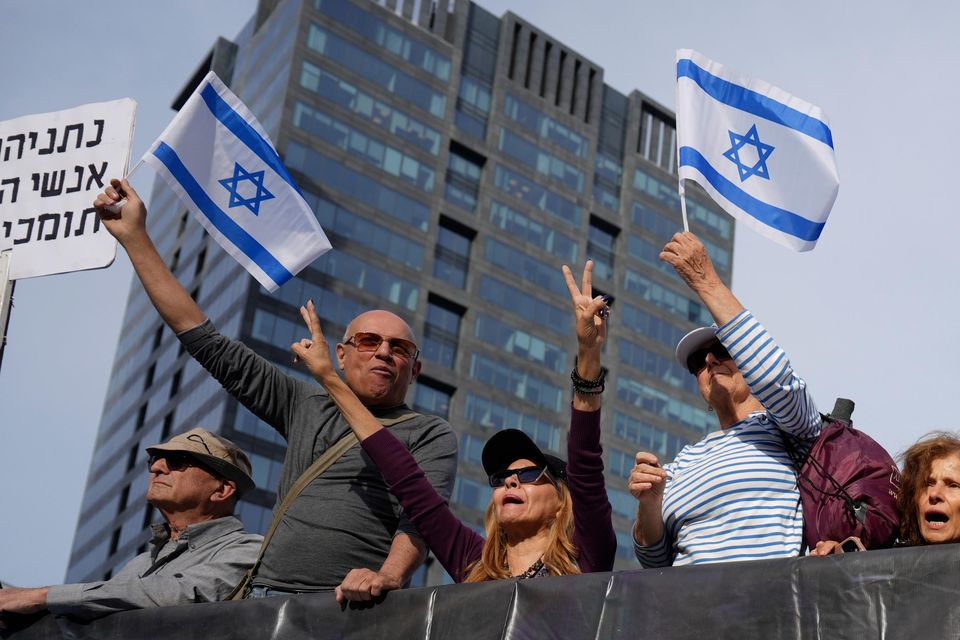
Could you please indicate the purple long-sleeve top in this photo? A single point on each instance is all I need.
(457, 546)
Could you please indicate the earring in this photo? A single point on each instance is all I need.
(709, 408)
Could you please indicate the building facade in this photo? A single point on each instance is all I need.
(456, 160)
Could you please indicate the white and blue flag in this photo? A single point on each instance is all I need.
(765, 156)
(220, 161)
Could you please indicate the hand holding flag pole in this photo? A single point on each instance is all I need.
(115, 208)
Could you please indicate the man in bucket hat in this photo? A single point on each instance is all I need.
(198, 553)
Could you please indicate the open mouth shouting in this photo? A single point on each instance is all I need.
(511, 498)
(935, 519)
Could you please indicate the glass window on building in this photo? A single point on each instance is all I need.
(471, 493)
(528, 191)
(519, 225)
(334, 175)
(471, 449)
(473, 105)
(520, 263)
(377, 71)
(451, 257)
(477, 72)
(463, 177)
(375, 30)
(441, 331)
(601, 241)
(397, 122)
(657, 141)
(518, 342)
(544, 163)
(432, 397)
(607, 181)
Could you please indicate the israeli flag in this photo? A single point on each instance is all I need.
(220, 161)
(765, 156)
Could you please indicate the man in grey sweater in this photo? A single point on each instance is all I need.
(345, 531)
(198, 554)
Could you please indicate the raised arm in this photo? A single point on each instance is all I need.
(764, 365)
(594, 536)
(255, 382)
(456, 545)
(689, 258)
(172, 301)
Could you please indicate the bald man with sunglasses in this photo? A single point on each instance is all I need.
(197, 554)
(733, 495)
(345, 531)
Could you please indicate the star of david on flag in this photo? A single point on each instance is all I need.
(763, 155)
(235, 184)
(220, 162)
(763, 151)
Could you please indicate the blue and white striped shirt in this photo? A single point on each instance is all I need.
(733, 495)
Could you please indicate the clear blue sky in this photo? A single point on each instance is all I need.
(866, 315)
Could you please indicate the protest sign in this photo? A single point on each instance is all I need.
(51, 167)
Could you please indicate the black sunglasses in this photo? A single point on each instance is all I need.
(698, 359)
(525, 475)
(176, 461)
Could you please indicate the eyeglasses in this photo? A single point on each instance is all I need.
(698, 359)
(366, 342)
(525, 475)
(175, 460)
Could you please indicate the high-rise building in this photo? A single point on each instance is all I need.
(456, 159)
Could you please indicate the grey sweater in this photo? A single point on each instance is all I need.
(203, 565)
(346, 518)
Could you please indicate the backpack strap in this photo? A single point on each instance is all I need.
(321, 464)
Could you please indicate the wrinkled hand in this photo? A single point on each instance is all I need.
(826, 548)
(689, 258)
(131, 221)
(363, 585)
(313, 351)
(22, 601)
(647, 480)
(590, 314)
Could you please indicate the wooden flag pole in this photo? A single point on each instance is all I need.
(6, 298)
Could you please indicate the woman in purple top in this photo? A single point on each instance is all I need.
(545, 517)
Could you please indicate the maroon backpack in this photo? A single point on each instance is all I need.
(848, 484)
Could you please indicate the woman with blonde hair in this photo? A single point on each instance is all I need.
(545, 517)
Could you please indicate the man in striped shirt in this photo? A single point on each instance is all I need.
(733, 495)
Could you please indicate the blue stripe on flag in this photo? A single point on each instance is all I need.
(247, 134)
(232, 231)
(750, 101)
(774, 217)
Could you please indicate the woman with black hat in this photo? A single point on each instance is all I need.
(546, 517)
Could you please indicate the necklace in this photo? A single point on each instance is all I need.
(536, 570)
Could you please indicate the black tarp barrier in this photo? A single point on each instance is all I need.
(898, 593)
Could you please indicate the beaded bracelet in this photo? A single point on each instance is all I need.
(587, 387)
